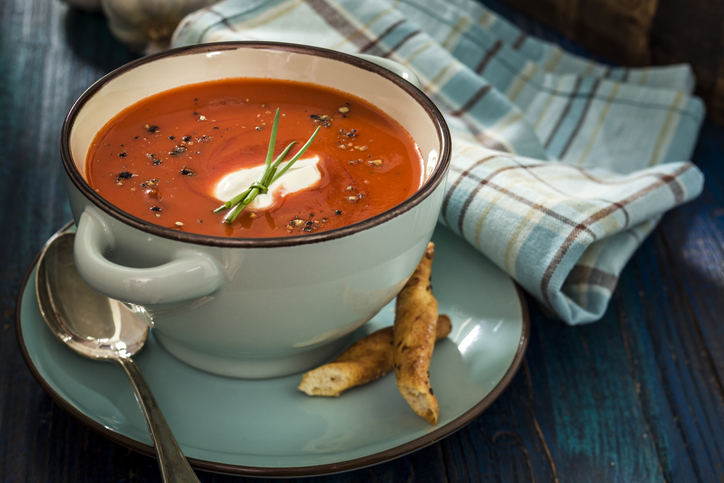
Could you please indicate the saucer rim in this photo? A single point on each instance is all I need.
(292, 471)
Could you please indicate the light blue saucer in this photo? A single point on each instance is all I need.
(268, 427)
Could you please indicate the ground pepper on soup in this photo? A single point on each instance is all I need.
(163, 159)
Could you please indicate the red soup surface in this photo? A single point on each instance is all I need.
(162, 158)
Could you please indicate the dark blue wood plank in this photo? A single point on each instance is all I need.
(644, 358)
(683, 362)
(505, 443)
(587, 404)
(693, 238)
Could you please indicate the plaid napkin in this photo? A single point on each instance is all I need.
(561, 166)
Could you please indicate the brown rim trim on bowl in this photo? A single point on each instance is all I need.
(316, 470)
(425, 190)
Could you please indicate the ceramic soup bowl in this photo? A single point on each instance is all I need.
(253, 308)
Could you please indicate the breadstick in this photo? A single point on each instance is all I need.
(366, 360)
(414, 339)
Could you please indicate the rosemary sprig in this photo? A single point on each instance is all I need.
(268, 176)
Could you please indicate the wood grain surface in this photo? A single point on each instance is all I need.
(635, 397)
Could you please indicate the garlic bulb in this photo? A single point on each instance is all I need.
(146, 26)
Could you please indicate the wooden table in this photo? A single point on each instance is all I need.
(637, 396)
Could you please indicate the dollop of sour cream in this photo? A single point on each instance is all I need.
(303, 174)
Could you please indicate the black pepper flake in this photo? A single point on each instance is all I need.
(152, 128)
(124, 175)
(177, 150)
(122, 155)
(321, 118)
(172, 137)
(187, 138)
(337, 212)
(307, 228)
(155, 208)
(188, 172)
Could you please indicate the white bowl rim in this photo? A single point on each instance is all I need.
(428, 187)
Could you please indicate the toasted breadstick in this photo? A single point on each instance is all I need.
(414, 339)
(366, 360)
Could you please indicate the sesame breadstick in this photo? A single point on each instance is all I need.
(414, 339)
(366, 360)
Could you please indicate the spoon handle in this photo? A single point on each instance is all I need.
(174, 466)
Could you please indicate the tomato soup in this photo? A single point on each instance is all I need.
(163, 158)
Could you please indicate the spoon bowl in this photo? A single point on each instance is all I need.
(100, 328)
(92, 324)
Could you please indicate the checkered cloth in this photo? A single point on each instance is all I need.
(560, 167)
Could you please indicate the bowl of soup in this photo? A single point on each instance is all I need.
(154, 150)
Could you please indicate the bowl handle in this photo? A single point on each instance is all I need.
(189, 275)
(393, 66)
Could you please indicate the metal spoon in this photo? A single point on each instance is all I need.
(101, 328)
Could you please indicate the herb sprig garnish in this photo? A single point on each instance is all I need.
(268, 175)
